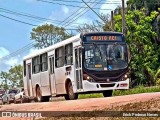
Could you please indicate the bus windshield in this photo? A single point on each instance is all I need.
(105, 57)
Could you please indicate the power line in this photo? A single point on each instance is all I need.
(31, 16)
(66, 4)
(96, 13)
(17, 20)
(76, 13)
(82, 14)
(71, 17)
(29, 23)
(108, 2)
(27, 46)
(93, 11)
(19, 51)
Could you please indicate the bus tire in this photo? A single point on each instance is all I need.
(70, 94)
(38, 94)
(107, 93)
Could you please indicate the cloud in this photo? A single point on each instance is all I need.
(108, 6)
(7, 62)
(83, 20)
(12, 61)
(3, 52)
(31, 51)
(65, 9)
(57, 16)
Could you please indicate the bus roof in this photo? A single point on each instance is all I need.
(69, 40)
(104, 32)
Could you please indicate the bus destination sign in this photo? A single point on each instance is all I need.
(103, 38)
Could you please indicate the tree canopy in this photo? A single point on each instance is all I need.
(47, 34)
(140, 37)
(14, 77)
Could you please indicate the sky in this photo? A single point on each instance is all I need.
(15, 35)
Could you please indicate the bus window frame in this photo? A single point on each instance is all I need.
(35, 64)
(69, 54)
(59, 58)
(44, 55)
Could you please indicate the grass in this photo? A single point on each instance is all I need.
(139, 89)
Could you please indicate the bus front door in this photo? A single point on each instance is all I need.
(52, 81)
(78, 68)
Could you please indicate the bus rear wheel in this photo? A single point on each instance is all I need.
(70, 94)
(107, 93)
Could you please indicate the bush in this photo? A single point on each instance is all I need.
(157, 77)
(158, 82)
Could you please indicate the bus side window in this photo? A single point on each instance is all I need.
(68, 54)
(80, 52)
(36, 65)
(29, 71)
(76, 58)
(43, 62)
(59, 57)
(24, 68)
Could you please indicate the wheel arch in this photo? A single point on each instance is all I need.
(66, 84)
(37, 85)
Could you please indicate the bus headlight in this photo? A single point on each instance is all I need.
(125, 77)
(87, 77)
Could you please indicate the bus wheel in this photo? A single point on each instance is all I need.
(38, 94)
(41, 98)
(107, 93)
(70, 94)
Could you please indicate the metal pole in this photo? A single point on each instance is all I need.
(123, 18)
(112, 20)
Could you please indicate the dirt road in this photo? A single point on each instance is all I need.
(82, 104)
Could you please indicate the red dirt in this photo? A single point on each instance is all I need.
(79, 105)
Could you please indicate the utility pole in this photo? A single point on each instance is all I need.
(123, 18)
(112, 20)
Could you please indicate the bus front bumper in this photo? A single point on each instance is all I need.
(92, 86)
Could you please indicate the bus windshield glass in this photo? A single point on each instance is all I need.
(105, 57)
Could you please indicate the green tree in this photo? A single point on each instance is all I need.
(149, 5)
(4, 77)
(47, 34)
(140, 36)
(16, 76)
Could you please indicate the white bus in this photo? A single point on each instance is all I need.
(85, 63)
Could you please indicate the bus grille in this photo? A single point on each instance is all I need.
(105, 80)
(107, 85)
